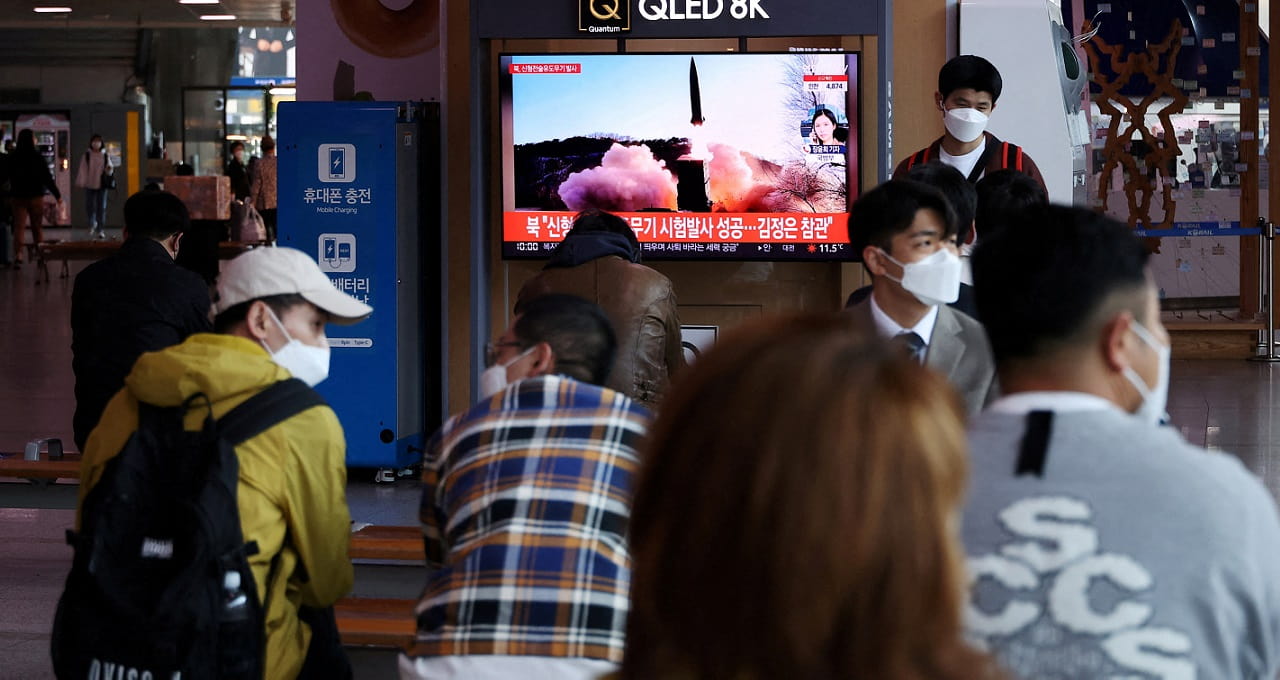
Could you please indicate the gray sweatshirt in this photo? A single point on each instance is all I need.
(1134, 555)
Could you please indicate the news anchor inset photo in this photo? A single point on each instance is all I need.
(826, 130)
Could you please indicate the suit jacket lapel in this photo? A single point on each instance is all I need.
(946, 347)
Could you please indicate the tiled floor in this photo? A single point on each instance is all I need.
(1219, 404)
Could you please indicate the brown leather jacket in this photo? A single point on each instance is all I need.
(641, 304)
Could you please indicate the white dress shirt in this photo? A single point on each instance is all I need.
(888, 328)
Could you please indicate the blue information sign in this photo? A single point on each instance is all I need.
(341, 199)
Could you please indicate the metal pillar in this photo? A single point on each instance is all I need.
(1267, 289)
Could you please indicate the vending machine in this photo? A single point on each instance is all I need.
(358, 191)
(53, 141)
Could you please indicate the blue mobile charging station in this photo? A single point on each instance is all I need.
(349, 196)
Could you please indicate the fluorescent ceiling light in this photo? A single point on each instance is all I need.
(52, 10)
(279, 91)
(217, 17)
(197, 2)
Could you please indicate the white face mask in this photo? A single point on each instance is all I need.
(306, 363)
(239, 155)
(934, 281)
(1154, 399)
(494, 379)
(965, 125)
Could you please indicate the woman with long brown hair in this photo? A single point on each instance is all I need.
(796, 516)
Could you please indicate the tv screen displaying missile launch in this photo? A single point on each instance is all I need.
(729, 156)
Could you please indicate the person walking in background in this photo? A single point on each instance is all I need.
(29, 180)
(796, 513)
(599, 259)
(92, 176)
(238, 172)
(262, 189)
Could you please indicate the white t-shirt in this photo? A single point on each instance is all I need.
(965, 163)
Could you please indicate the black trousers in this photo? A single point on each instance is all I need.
(269, 221)
(326, 658)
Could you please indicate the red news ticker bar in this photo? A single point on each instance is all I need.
(721, 227)
(826, 79)
(526, 69)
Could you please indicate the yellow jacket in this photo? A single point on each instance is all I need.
(292, 478)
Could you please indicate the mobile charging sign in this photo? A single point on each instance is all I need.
(342, 199)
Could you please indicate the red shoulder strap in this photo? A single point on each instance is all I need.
(918, 157)
(1010, 155)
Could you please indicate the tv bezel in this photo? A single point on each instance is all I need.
(506, 150)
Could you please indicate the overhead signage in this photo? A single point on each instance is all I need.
(606, 19)
(701, 10)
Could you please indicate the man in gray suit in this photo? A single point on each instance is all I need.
(906, 234)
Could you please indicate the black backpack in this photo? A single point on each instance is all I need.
(149, 594)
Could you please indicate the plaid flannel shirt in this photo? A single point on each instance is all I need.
(524, 509)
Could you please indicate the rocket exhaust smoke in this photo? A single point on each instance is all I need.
(628, 179)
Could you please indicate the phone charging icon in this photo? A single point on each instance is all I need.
(336, 253)
(337, 163)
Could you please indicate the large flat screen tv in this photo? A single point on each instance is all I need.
(708, 156)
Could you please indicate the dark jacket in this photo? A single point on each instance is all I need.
(29, 176)
(239, 175)
(138, 300)
(639, 301)
(991, 161)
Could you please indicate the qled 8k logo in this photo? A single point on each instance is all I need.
(337, 163)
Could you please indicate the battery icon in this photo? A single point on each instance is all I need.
(337, 162)
(344, 252)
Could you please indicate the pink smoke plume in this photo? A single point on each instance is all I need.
(733, 186)
(629, 178)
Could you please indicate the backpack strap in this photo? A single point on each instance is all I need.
(921, 156)
(1011, 156)
(266, 409)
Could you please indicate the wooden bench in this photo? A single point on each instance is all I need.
(13, 465)
(402, 544)
(376, 622)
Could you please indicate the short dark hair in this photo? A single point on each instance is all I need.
(971, 71)
(889, 209)
(268, 143)
(578, 332)
(155, 215)
(236, 145)
(224, 322)
(1004, 196)
(957, 189)
(1046, 287)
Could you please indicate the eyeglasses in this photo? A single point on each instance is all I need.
(491, 350)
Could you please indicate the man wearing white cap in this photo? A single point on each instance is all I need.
(271, 309)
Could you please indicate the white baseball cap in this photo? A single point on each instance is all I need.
(266, 271)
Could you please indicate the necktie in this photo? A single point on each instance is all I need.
(913, 344)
